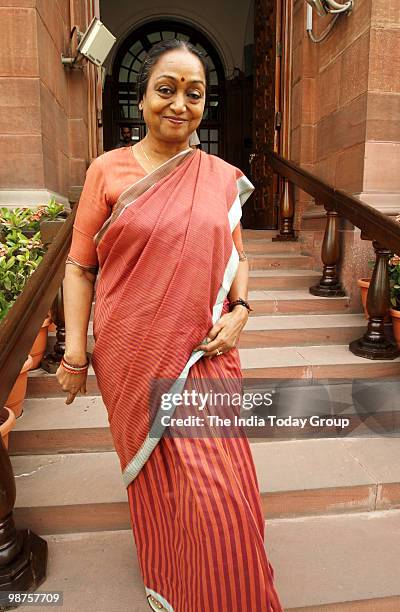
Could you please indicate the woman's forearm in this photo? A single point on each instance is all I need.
(78, 287)
(240, 283)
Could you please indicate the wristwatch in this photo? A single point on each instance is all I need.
(241, 302)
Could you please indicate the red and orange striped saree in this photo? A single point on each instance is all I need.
(166, 264)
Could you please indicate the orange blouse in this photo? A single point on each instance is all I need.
(106, 178)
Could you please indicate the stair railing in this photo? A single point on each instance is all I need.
(375, 226)
(23, 554)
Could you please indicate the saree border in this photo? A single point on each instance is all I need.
(157, 429)
(133, 192)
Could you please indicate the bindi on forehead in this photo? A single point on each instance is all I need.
(182, 79)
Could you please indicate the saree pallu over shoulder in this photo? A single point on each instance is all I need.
(166, 263)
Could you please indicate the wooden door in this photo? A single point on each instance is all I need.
(265, 206)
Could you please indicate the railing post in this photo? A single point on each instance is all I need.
(329, 284)
(23, 554)
(51, 361)
(375, 344)
(286, 213)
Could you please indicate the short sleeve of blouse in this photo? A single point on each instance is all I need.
(245, 189)
(92, 212)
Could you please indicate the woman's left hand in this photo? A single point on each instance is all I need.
(224, 335)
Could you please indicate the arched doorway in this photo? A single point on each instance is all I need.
(120, 98)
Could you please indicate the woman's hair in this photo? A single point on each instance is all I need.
(154, 55)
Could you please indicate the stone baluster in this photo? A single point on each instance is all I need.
(51, 361)
(375, 344)
(286, 213)
(329, 284)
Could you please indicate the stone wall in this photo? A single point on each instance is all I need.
(345, 120)
(225, 23)
(43, 106)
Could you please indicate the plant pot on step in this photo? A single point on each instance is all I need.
(17, 395)
(52, 326)
(364, 283)
(7, 422)
(396, 324)
(39, 346)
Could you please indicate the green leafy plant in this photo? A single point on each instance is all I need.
(394, 275)
(19, 258)
(53, 211)
(21, 247)
(27, 220)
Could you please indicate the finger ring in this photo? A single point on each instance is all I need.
(219, 352)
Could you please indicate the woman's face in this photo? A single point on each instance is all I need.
(173, 104)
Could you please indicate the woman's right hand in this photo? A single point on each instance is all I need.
(73, 383)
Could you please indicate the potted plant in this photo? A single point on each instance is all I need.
(7, 422)
(17, 394)
(394, 274)
(51, 221)
(28, 220)
(363, 283)
(39, 346)
(19, 258)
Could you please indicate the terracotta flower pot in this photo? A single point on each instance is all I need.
(17, 394)
(52, 326)
(364, 283)
(396, 325)
(39, 346)
(7, 422)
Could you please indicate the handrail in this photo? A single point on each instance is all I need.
(23, 548)
(374, 224)
(19, 328)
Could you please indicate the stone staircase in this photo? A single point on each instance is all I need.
(332, 504)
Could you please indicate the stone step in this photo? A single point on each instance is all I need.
(64, 492)
(49, 426)
(266, 245)
(268, 280)
(288, 301)
(249, 234)
(291, 362)
(269, 289)
(267, 331)
(337, 563)
(317, 362)
(279, 260)
(296, 301)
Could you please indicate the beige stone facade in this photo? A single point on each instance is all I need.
(346, 118)
(345, 98)
(47, 112)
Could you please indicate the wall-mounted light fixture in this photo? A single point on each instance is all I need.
(95, 44)
(326, 7)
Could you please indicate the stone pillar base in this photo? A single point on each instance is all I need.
(12, 198)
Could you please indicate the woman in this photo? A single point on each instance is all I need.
(160, 223)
